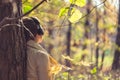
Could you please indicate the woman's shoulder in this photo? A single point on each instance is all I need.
(35, 49)
(32, 44)
(42, 53)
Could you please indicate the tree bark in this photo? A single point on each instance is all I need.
(97, 39)
(104, 41)
(86, 28)
(116, 61)
(68, 50)
(12, 43)
(68, 44)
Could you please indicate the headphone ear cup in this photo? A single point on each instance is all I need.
(35, 20)
(40, 30)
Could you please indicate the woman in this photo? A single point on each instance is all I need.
(40, 65)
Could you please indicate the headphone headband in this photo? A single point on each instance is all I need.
(40, 30)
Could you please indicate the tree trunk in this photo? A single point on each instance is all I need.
(87, 28)
(116, 61)
(68, 44)
(97, 38)
(104, 41)
(12, 43)
(68, 50)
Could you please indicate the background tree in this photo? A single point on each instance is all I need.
(97, 38)
(116, 61)
(87, 29)
(104, 41)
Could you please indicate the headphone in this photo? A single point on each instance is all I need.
(40, 30)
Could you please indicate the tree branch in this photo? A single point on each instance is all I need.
(7, 25)
(32, 9)
(93, 9)
(86, 14)
(14, 19)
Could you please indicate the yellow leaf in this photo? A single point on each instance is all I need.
(80, 3)
(55, 69)
(96, 44)
(75, 16)
(67, 57)
(30, 1)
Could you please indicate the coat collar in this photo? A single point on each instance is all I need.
(33, 44)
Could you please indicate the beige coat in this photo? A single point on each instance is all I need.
(40, 65)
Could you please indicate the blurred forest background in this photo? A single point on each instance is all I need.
(81, 34)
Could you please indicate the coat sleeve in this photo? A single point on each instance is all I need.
(42, 66)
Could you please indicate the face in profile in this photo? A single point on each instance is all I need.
(39, 38)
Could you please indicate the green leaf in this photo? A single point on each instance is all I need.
(80, 3)
(75, 16)
(65, 74)
(63, 11)
(94, 70)
(81, 76)
(27, 7)
(77, 57)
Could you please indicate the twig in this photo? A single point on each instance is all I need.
(86, 14)
(70, 8)
(61, 24)
(93, 9)
(13, 19)
(32, 9)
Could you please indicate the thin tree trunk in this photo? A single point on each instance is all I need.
(51, 35)
(69, 36)
(68, 64)
(68, 50)
(97, 38)
(87, 28)
(103, 54)
(116, 61)
(12, 43)
(68, 44)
